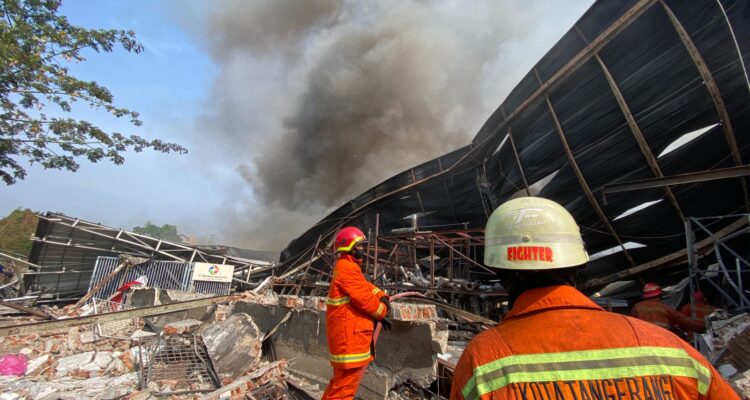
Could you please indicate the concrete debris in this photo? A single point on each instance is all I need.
(452, 353)
(305, 385)
(68, 364)
(234, 346)
(147, 297)
(723, 331)
(87, 337)
(742, 383)
(141, 334)
(102, 360)
(135, 355)
(38, 365)
(227, 340)
(408, 353)
(182, 327)
(70, 388)
(263, 375)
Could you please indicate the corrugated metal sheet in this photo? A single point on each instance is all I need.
(172, 275)
(67, 248)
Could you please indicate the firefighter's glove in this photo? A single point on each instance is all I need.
(387, 324)
(385, 300)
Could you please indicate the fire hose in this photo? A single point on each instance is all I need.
(395, 297)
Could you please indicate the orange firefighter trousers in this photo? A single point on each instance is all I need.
(344, 384)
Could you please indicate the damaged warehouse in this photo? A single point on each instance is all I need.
(628, 122)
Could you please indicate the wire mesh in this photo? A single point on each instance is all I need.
(122, 329)
(161, 274)
(178, 364)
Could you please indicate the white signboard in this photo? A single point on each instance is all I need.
(212, 272)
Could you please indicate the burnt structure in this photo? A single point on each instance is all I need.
(634, 121)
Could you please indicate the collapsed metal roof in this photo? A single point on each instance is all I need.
(606, 105)
(66, 249)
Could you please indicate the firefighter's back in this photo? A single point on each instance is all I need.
(570, 349)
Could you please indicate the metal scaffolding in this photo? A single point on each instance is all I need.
(730, 263)
(444, 264)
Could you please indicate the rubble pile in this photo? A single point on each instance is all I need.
(70, 364)
(729, 344)
(218, 353)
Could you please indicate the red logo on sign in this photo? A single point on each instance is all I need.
(530, 253)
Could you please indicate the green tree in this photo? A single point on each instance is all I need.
(16, 230)
(36, 44)
(164, 232)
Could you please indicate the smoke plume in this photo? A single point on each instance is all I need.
(318, 100)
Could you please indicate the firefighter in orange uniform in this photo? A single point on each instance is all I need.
(353, 305)
(555, 343)
(652, 310)
(702, 310)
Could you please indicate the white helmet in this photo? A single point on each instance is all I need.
(532, 233)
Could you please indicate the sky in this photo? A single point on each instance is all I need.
(288, 108)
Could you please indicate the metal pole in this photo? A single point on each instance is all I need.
(450, 264)
(726, 274)
(375, 262)
(692, 262)
(718, 241)
(739, 280)
(717, 287)
(432, 262)
(367, 251)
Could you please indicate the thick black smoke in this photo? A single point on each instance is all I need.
(316, 101)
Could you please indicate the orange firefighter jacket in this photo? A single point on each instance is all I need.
(702, 310)
(663, 315)
(353, 304)
(557, 344)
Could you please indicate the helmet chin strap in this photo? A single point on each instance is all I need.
(358, 253)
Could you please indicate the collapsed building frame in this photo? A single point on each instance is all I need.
(628, 122)
(67, 252)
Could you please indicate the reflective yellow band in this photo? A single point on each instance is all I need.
(380, 309)
(586, 365)
(375, 291)
(337, 301)
(346, 249)
(350, 358)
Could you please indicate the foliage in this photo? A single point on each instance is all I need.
(36, 44)
(164, 232)
(16, 230)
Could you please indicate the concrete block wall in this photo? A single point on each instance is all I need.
(413, 312)
(408, 352)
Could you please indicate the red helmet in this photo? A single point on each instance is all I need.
(347, 237)
(699, 296)
(651, 290)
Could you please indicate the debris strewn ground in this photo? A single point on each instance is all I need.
(254, 346)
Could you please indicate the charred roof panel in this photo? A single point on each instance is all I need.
(666, 89)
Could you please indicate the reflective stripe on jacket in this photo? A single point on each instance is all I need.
(353, 304)
(663, 315)
(557, 344)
